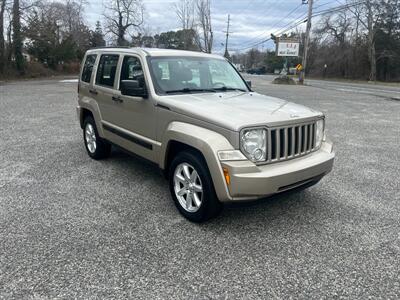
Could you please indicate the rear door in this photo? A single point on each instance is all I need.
(105, 85)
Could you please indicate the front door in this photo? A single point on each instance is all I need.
(133, 118)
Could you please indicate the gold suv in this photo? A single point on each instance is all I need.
(193, 114)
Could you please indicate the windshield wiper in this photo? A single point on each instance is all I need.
(225, 88)
(189, 90)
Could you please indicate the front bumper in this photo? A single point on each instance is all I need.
(249, 181)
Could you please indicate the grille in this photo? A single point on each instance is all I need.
(288, 142)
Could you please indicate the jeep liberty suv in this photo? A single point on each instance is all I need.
(195, 117)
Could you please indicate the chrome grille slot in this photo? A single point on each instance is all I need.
(289, 141)
(292, 141)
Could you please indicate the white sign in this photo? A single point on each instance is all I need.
(288, 48)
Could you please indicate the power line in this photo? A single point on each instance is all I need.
(325, 4)
(275, 24)
(247, 9)
(296, 20)
(285, 28)
(299, 22)
(256, 18)
(338, 8)
(271, 6)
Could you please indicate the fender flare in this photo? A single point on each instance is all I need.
(206, 141)
(93, 107)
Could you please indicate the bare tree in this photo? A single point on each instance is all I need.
(2, 43)
(372, 19)
(121, 16)
(17, 37)
(332, 36)
(73, 13)
(8, 34)
(368, 14)
(336, 26)
(205, 36)
(185, 11)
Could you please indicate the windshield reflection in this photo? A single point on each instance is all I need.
(194, 75)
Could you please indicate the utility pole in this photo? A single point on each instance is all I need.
(307, 40)
(226, 55)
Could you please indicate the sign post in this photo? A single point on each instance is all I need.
(307, 41)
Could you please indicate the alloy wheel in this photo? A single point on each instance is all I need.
(90, 138)
(188, 187)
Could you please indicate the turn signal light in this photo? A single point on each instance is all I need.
(227, 176)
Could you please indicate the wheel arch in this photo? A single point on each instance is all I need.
(90, 109)
(173, 148)
(84, 113)
(182, 136)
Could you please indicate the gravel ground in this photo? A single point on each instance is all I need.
(71, 227)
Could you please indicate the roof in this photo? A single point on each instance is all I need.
(156, 52)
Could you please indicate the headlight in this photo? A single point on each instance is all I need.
(253, 143)
(319, 133)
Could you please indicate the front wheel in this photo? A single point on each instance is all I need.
(96, 147)
(192, 188)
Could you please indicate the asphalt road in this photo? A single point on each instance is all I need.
(386, 91)
(71, 227)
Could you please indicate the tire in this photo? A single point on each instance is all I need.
(185, 188)
(96, 147)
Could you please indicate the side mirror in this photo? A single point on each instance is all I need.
(248, 82)
(133, 89)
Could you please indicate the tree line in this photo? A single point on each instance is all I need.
(53, 34)
(361, 41)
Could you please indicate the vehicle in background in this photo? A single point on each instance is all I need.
(257, 71)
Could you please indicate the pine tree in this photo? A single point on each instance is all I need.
(97, 37)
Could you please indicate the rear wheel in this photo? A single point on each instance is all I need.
(192, 188)
(96, 147)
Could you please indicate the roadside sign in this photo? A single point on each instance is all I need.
(299, 67)
(287, 47)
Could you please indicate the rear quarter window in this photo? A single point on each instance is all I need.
(88, 68)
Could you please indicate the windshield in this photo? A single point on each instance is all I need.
(194, 74)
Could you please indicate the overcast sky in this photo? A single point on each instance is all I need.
(251, 20)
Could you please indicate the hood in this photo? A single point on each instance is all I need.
(235, 110)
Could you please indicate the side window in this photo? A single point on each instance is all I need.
(106, 70)
(88, 68)
(132, 70)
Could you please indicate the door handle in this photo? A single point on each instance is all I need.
(117, 99)
(93, 92)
